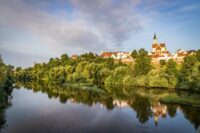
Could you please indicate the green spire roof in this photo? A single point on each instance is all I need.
(155, 40)
(154, 36)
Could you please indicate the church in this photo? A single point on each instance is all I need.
(159, 51)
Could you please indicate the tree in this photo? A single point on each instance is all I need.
(1, 61)
(53, 62)
(186, 74)
(143, 63)
(18, 69)
(5, 89)
(110, 63)
(198, 55)
(64, 57)
(117, 76)
(171, 73)
(87, 56)
(162, 63)
(103, 74)
(134, 54)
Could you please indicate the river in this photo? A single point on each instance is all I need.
(69, 110)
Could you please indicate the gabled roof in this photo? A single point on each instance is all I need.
(162, 44)
(191, 51)
(155, 45)
(109, 54)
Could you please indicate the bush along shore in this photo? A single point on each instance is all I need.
(6, 82)
(91, 69)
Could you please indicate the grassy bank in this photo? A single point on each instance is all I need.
(189, 101)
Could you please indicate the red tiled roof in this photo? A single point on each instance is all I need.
(154, 45)
(106, 54)
(158, 46)
(162, 44)
(109, 54)
(182, 54)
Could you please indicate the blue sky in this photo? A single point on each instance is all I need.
(36, 30)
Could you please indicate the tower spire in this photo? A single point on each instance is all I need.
(154, 36)
(155, 40)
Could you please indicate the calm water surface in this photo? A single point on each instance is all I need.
(65, 111)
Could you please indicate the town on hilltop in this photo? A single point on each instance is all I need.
(159, 52)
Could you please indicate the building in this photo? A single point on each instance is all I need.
(74, 56)
(122, 56)
(115, 55)
(180, 54)
(159, 51)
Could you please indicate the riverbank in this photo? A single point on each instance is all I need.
(188, 101)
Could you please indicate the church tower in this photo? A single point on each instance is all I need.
(159, 50)
(155, 43)
(155, 40)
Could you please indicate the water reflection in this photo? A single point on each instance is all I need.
(144, 102)
(5, 102)
(158, 111)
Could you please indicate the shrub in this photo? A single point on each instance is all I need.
(162, 62)
(129, 80)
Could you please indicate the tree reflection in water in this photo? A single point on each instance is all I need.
(145, 102)
(5, 99)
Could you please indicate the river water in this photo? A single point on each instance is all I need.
(55, 110)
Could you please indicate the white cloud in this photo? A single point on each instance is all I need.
(97, 25)
(116, 20)
(52, 32)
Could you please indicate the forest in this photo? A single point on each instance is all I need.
(89, 68)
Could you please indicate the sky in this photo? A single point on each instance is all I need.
(36, 30)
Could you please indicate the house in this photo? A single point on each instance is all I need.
(122, 56)
(74, 56)
(180, 54)
(115, 55)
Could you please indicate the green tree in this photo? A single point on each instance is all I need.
(87, 56)
(142, 63)
(64, 59)
(186, 73)
(162, 63)
(117, 75)
(134, 54)
(103, 74)
(198, 55)
(171, 73)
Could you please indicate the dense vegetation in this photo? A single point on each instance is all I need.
(90, 68)
(6, 81)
